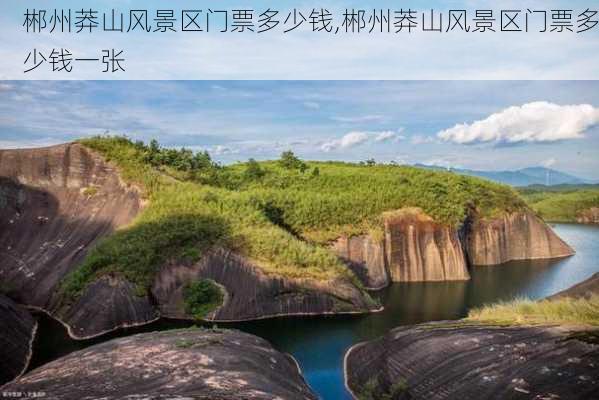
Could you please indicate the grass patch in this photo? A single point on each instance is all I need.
(563, 311)
(563, 203)
(279, 214)
(202, 297)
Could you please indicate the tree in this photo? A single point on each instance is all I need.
(291, 161)
(253, 170)
(316, 171)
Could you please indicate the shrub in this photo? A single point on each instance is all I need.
(202, 297)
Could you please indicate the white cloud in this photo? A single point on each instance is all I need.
(349, 140)
(421, 139)
(361, 118)
(312, 105)
(221, 150)
(387, 135)
(550, 162)
(356, 138)
(532, 122)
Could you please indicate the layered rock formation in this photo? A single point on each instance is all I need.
(191, 363)
(56, 202)
(250, 293)
(590, 216)
(17, 331)
(442, 361)
(515, 236)
(416, 248)
(366, 258)
(419, 249)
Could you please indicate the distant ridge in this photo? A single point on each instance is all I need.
(521, 177)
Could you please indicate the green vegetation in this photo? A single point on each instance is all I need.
(279, 214)
(562, 203)
(563, 311)
(372, 390)
(202, 297)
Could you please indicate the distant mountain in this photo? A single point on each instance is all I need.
(520, 177)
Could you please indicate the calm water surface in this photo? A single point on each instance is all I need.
(318, 343)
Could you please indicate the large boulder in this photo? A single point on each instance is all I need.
(452, 360)
(17, 332)
(191, 363)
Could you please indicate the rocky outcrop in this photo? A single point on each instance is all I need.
(55, 203)
(251, 294)
(17, 331)
(445, 361)
(414, 248)
(585, 289)
(191, 363)
(515, 236)
(107, 303)
(590, 216)
(419, 249)
(366, 257)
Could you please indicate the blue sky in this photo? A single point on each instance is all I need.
(508, 124)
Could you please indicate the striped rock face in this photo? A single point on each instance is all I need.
(190, 363)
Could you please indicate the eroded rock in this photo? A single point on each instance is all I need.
(17, 331)
(449, 361)
(250, 293)
(590, 216)
(515, 236)
(192, 363)
(56, 202)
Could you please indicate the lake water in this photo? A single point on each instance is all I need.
(319, 343)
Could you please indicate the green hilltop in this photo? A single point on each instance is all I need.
(279, 214)
(561, 203)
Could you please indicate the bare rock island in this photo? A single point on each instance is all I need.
(192, 363)
(443, 361)
(17, 332)
(470, 360)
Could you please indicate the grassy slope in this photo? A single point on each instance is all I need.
(563, 311)
(561, 204)
(265, 218)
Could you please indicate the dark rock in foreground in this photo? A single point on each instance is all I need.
(445, 361)
(17, 330)
(196, 363)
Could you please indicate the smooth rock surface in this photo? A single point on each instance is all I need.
(55, 203)
(366, 258)
(419, 249)
(190, 363)
(250, 293)
(441, 361)
(515, 236)
(17, 331)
